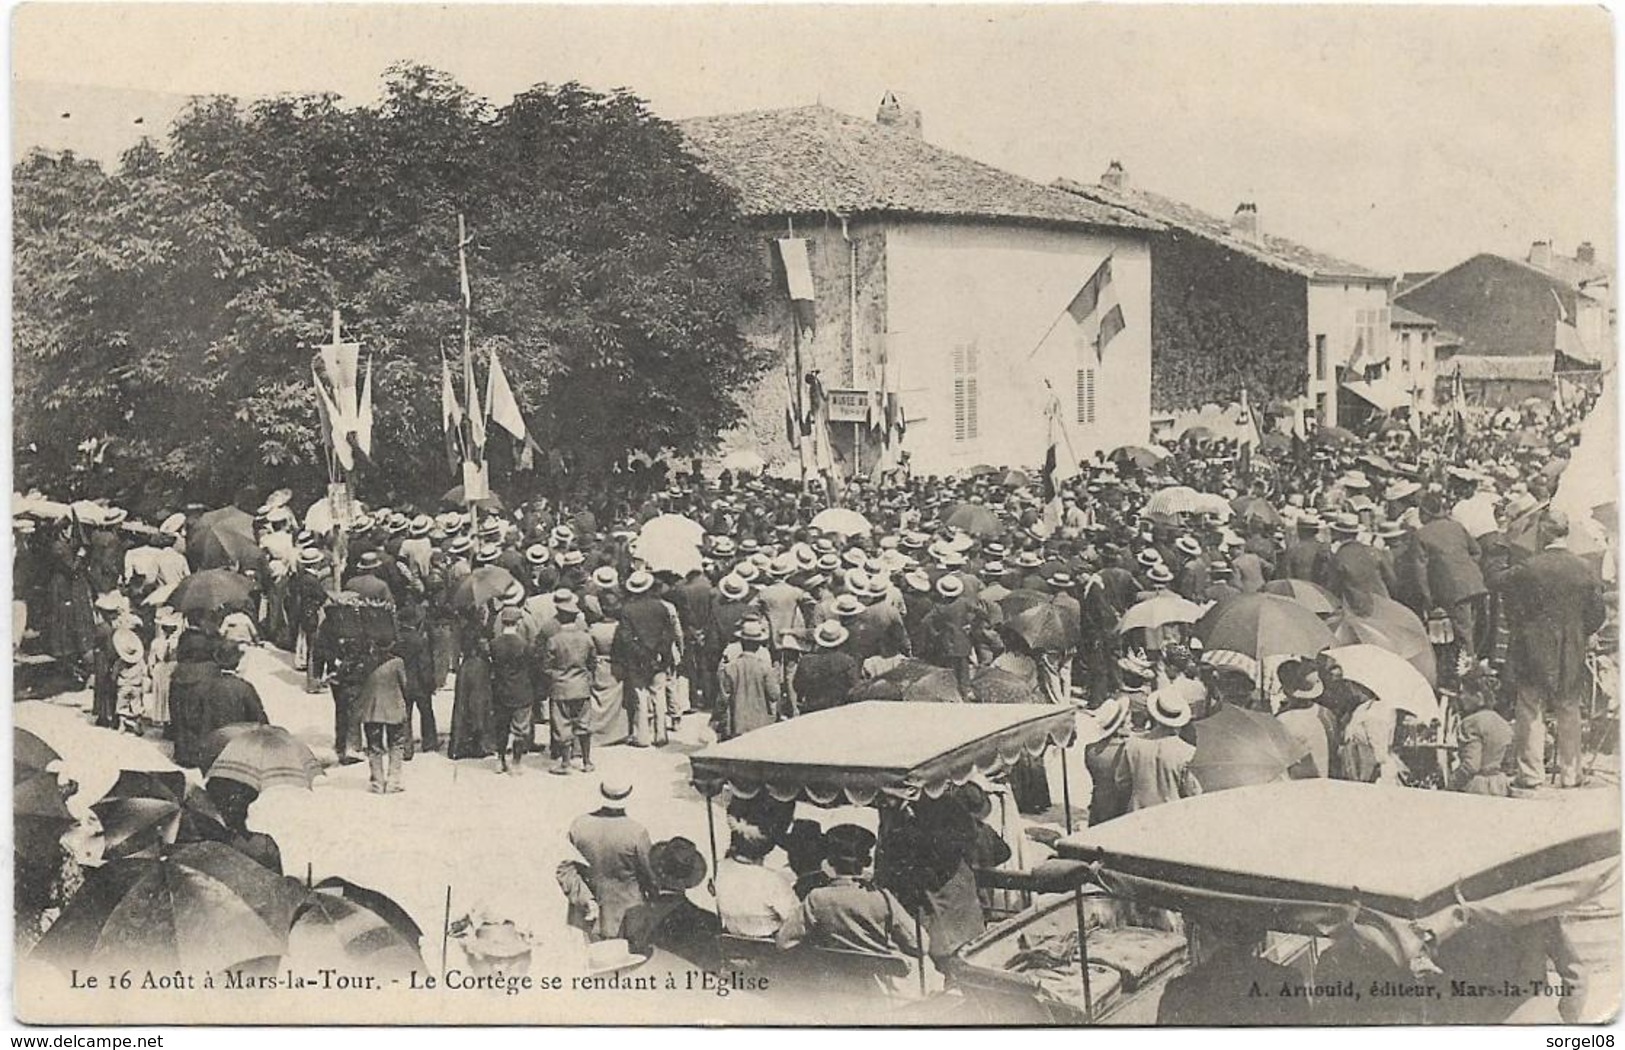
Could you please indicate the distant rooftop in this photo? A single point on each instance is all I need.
(1502, 366)
(1399, 316)
(811, 159)
(1265, 247)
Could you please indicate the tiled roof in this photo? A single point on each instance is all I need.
(1501, 367)
(1570, 270)
(1268, 249)
(812, 159)
(1398, 315)
(1411, 278)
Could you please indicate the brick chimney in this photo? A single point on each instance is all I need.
(1540, 254)
(1115, 178)
(1586, 254)
(1244, 223)
(901, 114)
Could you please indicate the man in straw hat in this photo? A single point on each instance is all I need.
(750, 689)
(643, 654)
(1159, 762)
(826, 677)
(617, 851)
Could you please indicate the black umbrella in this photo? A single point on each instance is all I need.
(453, 500)
(144, 813)
(202, 908)
(1236, 747)
(40, 815)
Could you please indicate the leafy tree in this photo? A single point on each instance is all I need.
(166, 312)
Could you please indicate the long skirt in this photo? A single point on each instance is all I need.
(158, 707)
(471, 731)
(607, 715)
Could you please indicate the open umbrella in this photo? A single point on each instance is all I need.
(1310, 595)
(890, 686)
(375, 901)
(1263, 625)
(1020, 600)
(40, 815)
(370, 587)
(1143, 456)
(1334, 436)
(982, 470)
(1257, 510)
(1390, 626)
(1192, 435)
(210, 589)
(997, 686)
(670, 543)
(145, 812)
(452, 499)
(480, 586)
(1214, 504)
(1390, 677)
(1015, 479)
(202, 908)
(221, 547)
(841, 520)
(1043, 628)
(1165, 607)
(1236, 747)
(331, 930)
(974, 518)
(1176, 499)
(261, 756)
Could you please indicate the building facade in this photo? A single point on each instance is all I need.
(1234, 306)
(939, 285)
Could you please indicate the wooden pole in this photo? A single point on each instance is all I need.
(1077, 897)
(445, 934)
(469, 401)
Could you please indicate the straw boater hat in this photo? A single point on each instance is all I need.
(1308, 521)
(459, 545)
(639, 582)
(491, 528)
(950, 586)
(369, 561)
(1345, 524)
(747, 571)
(1111, 715)
(127, 644)
(1390, 530)
(1188, 545)
(175, 524)
(1171, 711)
(399, 522)
(169, 617)
(830, 635)
(748, 545)
(753, 630)
(614, 792)
(917, 580)
(420, 526)
(993, 568)
(114, 516)
(1300, 679)
(723, 546)
(1149, 558)
(605, 576)
(1401, 489)
(310, 557)
(1135, 665)
(362, 522)
(1028, 560)
(1061, 581)
(513, 594)
(733, 588)
(538, 554)
(487, 553)
(572, 557)
(848, 605)
(1159, 574)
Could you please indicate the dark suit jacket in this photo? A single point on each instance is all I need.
(1305, 560)
(383, 693)
(513, 680)
(616, 849)
(1446, 560)
(1358, 571)
(1554, 605)
(227, 700)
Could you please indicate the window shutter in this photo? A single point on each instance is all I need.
(1086, 396)
(965, 393)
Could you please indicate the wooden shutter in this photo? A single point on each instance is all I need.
(965, 392)
(1086, 396)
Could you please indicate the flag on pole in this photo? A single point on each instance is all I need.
(335, 426)
(1095, 309)
(798, 279)
(363, 416)
(451, 416)
(476, 414)
(1416, 412)
(500, 402)
(1458, 399)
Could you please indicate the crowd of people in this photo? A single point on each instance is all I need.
(560, 634)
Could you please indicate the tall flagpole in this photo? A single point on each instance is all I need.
(470, 402)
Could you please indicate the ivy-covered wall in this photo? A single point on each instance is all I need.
(1219, 320)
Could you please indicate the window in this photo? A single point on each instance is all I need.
(1320, 357)
(1086, 395)
(965, 392)
(1371, 334)
(1322, 411)
(1405, 351)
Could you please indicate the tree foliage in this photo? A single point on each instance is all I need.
(165, 312)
